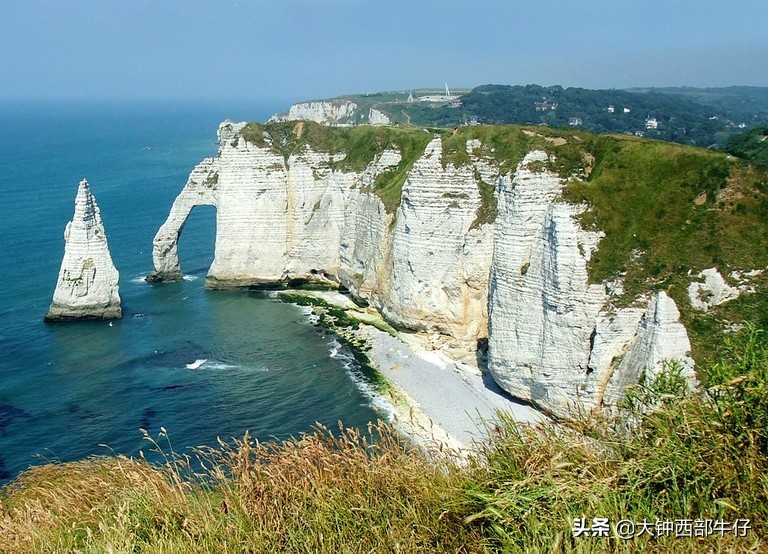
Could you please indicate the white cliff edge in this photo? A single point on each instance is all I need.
(434, 266)
(87, 287)
(325, 112)
(299, 219)
(376, 117)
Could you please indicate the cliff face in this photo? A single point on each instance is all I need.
(434, 265)
(87, 287)
(281, 219)
(266, 229)
(325, 112)
(555, 339)
(439, 263)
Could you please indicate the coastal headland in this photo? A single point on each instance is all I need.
(580, 260)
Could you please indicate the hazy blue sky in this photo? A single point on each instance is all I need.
(298, 49)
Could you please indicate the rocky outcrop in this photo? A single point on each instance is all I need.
(554, 338)
(434, 265)
(325, 112)
(87, 287)
(376, 117)
(713, 291)
(660, 339)
(276, 220)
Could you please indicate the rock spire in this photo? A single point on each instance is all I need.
(87, 287)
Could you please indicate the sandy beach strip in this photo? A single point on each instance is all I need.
(437, 399)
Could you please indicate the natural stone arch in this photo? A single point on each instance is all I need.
(200, 190)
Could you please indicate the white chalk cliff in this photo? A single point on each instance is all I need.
(87, 287)
(279, 220)
(377, 117)
(337, 112)
(432, 266)
(325, 112)
(555, 340)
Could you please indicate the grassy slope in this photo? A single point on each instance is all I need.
(669, 211)
(693, 458)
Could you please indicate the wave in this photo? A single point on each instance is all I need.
(190, 277)
(140, 280)
(338, 351)
(312, 317)
(219, 365)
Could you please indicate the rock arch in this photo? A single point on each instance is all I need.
(200, 190)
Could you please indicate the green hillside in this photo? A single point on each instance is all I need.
(740, 102)
(752, 146)
(703, 117)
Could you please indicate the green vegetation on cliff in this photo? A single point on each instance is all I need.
(692, 459)
(670, 211)
(751, 146)
(355, 146)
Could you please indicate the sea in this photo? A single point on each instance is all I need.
(69, 391)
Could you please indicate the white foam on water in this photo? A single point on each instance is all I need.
(312, 317)
(363, 384)
(223, 366)
(141, 279)
(197, 363)
(335, 348)
(337, 351)
(190, 277)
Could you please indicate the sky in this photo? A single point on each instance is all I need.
(303, 49)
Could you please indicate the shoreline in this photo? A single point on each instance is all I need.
(439, 403)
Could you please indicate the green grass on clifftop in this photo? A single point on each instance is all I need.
(670, 211)
(360, 145)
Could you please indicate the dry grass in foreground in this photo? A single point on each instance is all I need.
(322, 492)
(690, 458)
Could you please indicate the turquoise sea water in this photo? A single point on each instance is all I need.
(67, 389)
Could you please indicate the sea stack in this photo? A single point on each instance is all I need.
(88, 281)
